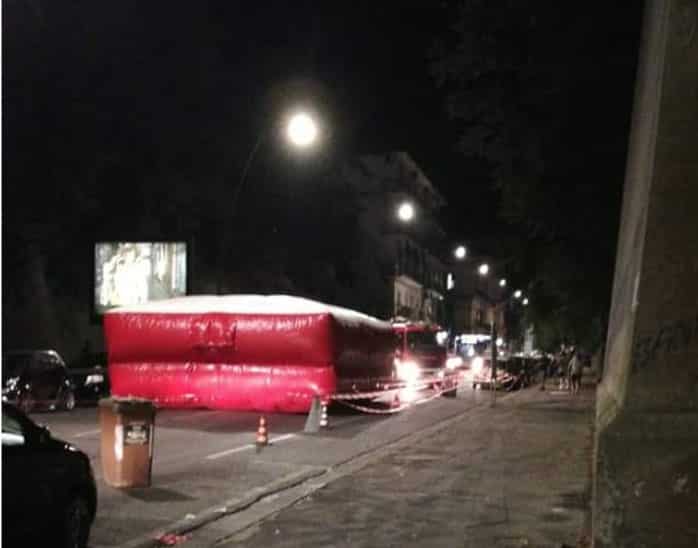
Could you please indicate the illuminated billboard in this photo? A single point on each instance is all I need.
(129, 273)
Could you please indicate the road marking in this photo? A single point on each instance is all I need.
(87, 433)
(215, 456)
(282, 438)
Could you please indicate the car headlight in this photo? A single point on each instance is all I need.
(96, 378)
(407, 371)
(453, 362)
(11, 383)
(477, 364)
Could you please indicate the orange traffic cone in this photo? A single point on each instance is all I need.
(262, 434)
(396, 400)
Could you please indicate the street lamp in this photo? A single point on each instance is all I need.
(302, 130)
(525, 301)
(484, 270)
(517, 294)
(460, 252)
(405, 212)
(502, 283)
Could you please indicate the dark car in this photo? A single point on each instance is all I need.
(89, 376)
(522, 369)
(49, 496)
(36, 378)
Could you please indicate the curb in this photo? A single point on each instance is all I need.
(342, 469)
(213, 513)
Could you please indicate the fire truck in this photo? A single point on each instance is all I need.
(421, 351)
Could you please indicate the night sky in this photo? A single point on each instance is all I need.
(133, 121)
(158, 81)
(130, 91)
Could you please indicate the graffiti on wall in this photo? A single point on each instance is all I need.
(670, 338)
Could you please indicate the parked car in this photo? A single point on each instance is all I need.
(36, 378)
(522, 369)
(89, 376)
(481, 373)
(48, 489)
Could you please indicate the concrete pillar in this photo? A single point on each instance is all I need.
(646, 450)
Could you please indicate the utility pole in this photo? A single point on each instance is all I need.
(493, 345)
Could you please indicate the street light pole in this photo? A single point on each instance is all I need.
(229, 218)
(405, 213)
(493, 345)
(245, 171)
(301, 132)
(484, 270)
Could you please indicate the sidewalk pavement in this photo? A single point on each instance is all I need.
(513, 475)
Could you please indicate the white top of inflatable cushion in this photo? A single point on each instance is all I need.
(243, 304)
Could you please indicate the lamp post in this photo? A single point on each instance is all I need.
(460, 252)
(301, 131)
(483, 270)
(515, 303)
(405, 213)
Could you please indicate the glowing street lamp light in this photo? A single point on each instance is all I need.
(405, 212)
(460, 252)
(525, 302)
(502, 283)
(302, 130)
(517, 294)
(483, 269)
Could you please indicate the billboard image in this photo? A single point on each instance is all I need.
(129, 273)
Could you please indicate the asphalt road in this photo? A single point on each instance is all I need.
(204, 459)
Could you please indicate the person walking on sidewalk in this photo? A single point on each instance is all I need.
(575, 373)
(562, 368)
(548, 368)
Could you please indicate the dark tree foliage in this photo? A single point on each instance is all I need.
(543, 92)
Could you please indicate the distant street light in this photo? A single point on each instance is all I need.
(517, 294)
(460, 252)
(302, 130)
(405, 212)
(502, 283)
(524, 302)
(483, 269)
